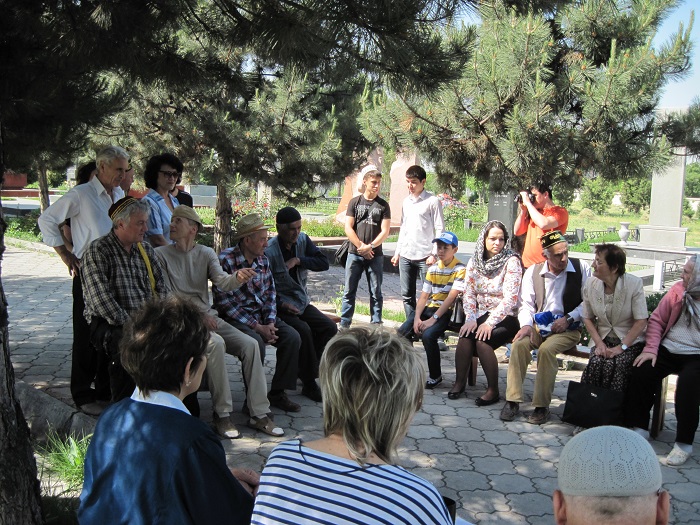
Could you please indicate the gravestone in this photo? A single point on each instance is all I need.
(502, 207)
(664, 229)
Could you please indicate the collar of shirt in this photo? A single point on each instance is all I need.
(544, 272)
(423, 195)
(160, 398)
(452, 264)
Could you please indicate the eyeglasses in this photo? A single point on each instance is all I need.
(169, 174)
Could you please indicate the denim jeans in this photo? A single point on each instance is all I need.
(409, 271)
(373, 269)
(429, 337)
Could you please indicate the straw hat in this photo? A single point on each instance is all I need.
(248, 224)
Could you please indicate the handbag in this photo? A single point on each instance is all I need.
(457, 316)
(588, 405)
(341, 254)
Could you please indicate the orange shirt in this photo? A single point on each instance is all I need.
(532, 252)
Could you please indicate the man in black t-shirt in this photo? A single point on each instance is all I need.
(367, 226)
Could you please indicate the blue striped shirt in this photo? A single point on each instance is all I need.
(302, 486)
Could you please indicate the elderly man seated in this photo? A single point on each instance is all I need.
(292, 255)
(610, 475)
(189, 267)
(252, 308)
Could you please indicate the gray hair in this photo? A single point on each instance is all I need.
(546, 251)
(124, 215)
(611, 509)
(372, 383)
(109, 154)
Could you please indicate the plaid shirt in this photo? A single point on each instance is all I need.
(115, 282)
(255, 301)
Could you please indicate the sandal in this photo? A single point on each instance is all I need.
(264, 424)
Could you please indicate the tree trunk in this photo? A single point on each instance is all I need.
(224, 214)
(19, 486)
(43, 187)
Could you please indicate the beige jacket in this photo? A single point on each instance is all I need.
(629, 305)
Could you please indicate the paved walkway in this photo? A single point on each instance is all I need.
(499, 472)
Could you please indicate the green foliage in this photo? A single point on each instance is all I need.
(597, 194)
(692, 180)
(326, 228)
(636, 193)
(65, 457)
(550, 94)
(586, 214)
(24, 227)
(653, 301)
(688, 210)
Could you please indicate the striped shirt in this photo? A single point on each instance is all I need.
(440, 279)
(302, 486)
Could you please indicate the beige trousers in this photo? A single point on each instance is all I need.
(547, 366)
(228, 339)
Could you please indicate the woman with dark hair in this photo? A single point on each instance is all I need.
(149, 460)
(492, 288)
(615, 314)
(161, 174)
(672, 347)
(372, 385)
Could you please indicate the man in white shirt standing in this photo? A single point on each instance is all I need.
(553, 286)
(87, 206)
(421, 222)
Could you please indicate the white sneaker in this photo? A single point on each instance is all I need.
(677, 457)
(442, 345)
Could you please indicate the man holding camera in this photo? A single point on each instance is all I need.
(538, 215)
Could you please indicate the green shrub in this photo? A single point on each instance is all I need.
(586, 214)
(24, 227)
(653, 301)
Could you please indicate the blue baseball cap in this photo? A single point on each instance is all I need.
(448, 238)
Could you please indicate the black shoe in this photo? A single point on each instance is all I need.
(312, 391)
(455, 395)
(432, 383)
(282, 402)
(509, 411)
(481, 402)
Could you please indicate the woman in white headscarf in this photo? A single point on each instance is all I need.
(672, 347)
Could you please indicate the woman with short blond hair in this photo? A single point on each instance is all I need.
(372, 385)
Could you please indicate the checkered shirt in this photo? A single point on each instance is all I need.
(255, 301)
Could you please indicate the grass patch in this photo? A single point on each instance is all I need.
(363, 308)
(25, 227)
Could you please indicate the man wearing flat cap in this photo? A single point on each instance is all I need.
(119, 274)
(610, 475)
(189, 267)
(252, 308)
(552, 289)
(292, 255)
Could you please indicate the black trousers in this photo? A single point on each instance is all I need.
(87, 365)
(315, 330)
(645, 379)
(106, 339)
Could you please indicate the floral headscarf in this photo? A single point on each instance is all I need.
(692, 294)
(488, 267)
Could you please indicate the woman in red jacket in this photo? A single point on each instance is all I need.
(672, 347)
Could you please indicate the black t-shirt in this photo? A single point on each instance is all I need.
(368, 219)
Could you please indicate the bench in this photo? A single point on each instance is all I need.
(659, 411)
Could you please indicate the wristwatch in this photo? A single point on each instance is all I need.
(624, 347)
(371, 245)
(436, 316)
(569, 320)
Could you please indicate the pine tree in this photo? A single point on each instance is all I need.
(549, 94)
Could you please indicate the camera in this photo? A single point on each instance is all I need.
(530, 195)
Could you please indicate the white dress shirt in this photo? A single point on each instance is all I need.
(553, 291)
(421, 222)
(87, 207)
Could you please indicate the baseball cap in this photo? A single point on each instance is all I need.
(448, 238)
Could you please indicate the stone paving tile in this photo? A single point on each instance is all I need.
(501, 473)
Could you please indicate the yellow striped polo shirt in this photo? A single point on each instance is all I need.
(440, 279)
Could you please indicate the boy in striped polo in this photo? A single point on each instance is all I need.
(434, 305)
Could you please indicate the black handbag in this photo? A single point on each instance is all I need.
(341, 254)
(457, 316)
(588, 405)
